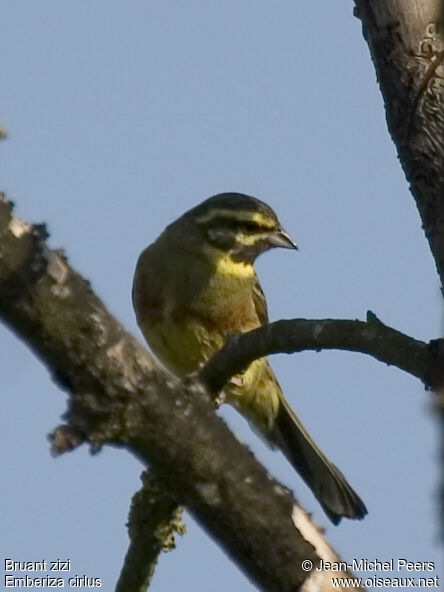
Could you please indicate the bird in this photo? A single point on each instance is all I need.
(194, 287)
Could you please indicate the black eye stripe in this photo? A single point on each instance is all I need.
(251, 227)
(233, 225)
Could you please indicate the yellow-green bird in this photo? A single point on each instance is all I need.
(194, 287)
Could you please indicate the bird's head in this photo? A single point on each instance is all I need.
(237, 225)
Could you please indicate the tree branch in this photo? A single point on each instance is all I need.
(153, 520)
(371, 337)
(118, 395)
(406, 43)
(407, 50)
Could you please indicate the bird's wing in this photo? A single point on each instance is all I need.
(260, 304)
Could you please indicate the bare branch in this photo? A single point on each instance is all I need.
(371, 337)
(153, 520)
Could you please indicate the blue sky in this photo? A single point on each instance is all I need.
(122, 116)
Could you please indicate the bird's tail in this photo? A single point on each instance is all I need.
(326, 481)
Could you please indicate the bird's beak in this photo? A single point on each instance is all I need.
(281, 238)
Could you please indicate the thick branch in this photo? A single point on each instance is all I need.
(408, 53)
(118, 395)
(406, 41)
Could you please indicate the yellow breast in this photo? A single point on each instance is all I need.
(184, 332)
(227, 303)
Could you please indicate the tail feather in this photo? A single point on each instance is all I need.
(325, 480)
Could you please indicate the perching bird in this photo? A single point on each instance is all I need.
(193, 288)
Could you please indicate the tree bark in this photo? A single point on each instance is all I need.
(407, 49)
(406, 42)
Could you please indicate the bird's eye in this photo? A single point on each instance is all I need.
(250, 227)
